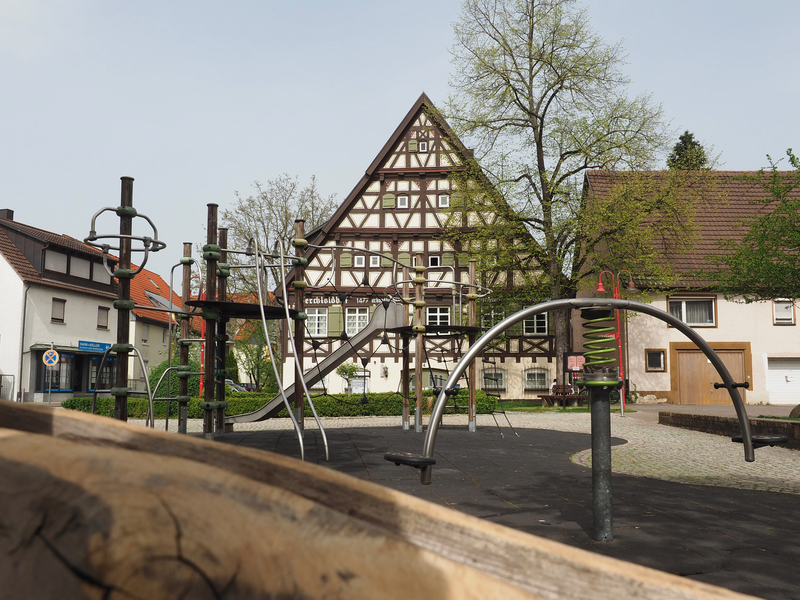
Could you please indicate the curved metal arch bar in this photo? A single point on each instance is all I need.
(472, 354)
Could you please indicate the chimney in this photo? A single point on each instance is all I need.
(6, 213)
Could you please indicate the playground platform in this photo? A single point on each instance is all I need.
(684, 502)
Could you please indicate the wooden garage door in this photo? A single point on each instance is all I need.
(696, 376)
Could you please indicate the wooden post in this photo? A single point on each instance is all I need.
(124, 297)
(419, 325)
(222, 335)
(472, 322)
(406, 360)
(210, 254)
(183, 383)
(299, 284)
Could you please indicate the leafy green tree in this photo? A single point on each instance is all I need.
(688, 154)
(251, 351)
(765, 262)
(174, 381)
(268, 217)
(543, 99)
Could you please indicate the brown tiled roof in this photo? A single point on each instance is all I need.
(58, 239)
(29, 274)
(147, 281)
(729, 200)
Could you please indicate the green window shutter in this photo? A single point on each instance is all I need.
(448, 259)
(412, 145)
(346, 259)
(335, 321)
(463, 261)
(386, 261)
(405, 259)
(388, 201)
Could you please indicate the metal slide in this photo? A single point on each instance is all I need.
(382, 318)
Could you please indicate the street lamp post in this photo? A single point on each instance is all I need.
(615, 283)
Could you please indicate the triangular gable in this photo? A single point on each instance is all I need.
(405, 152)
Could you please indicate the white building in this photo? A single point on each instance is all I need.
(58, 295)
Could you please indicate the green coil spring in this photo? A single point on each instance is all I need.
(598, 343)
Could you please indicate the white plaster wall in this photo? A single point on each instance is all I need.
(13, 291)
(80, 319)
(736, 322)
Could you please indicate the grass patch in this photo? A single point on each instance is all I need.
(777, 418)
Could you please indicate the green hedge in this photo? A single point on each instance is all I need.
(336, 405)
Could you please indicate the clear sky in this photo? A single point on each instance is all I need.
(197, 99)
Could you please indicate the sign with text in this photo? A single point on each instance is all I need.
(92, 346)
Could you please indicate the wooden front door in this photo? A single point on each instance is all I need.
(696, 376)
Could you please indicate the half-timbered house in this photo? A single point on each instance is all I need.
(393, 219)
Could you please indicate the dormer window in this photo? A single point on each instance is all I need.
(423, 146)
(402, 201)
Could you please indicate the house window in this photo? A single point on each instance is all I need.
(444, 200)
(434, 261)
(55, 261)
(438, 315)
(80, 267)
(655, 360)
(359, 261)
(494, 380)
(356, 319)
(164, 333)
(536, 380)
(374, 261)
(145, 334)
(535, 325)
(698, 312)
(321, 384)
(99, 274)
(102, 317)
(58, 310)
(783, 312)
(402, 201)
(317, 322)
(423, 146)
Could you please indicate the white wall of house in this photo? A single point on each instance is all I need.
(152, 340)
(750, 326)
(13, 292)
(80, 324)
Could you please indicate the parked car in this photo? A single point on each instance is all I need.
(235, 386)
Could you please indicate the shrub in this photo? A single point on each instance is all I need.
(161, 392)
(336, 405)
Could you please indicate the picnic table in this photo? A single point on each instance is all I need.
(562, 395)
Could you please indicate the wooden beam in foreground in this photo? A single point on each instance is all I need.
(98, 508)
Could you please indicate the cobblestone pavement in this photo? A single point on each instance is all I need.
(652, 450)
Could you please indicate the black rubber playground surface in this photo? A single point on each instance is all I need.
(743, 540)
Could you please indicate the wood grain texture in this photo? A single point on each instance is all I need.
(257, 512)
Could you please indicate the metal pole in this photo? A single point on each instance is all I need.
(419, 326)
(222, 337)
(211, 254)
(124, 298)
(406, 360)
(601, 463)
(473, 369)
(183, 383)
(299, 326)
